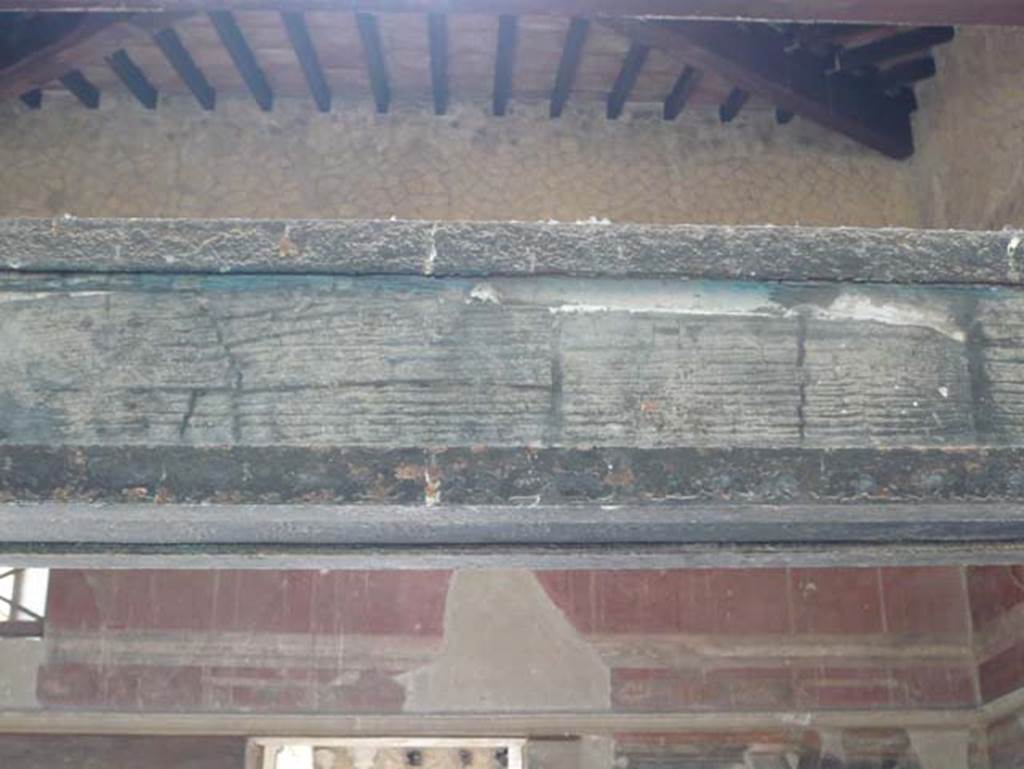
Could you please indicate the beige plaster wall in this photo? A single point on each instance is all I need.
(970, 133)
(294, 162)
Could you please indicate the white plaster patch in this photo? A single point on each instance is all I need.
(860, 306)
(485, 292)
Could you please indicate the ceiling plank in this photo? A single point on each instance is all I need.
(910, 12)
(767, 71)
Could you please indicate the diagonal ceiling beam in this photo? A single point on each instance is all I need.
(910, 12)
(87, 43)
(796, 82)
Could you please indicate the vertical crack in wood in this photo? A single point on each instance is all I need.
(801, 358)
(982, 423)
(556, 415)
(190, 410)
(235, 376)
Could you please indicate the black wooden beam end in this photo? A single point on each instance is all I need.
(437, 24)
(685, 86)
(505, 62)
(241, 54)
(732, 105)
(298, 34)
(180, 59)
(84, 91)
(572, 52)
(375, 65)
(634, 62)
(134, 79)
(33, 99)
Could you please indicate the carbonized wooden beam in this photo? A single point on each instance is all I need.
(21, 629)
(907, 73)
(302, 44)
(888, 48)
(763, 68)
(514, 557)
(354, 247)
(245, 61)
(60, 525)
(634, 62)
(734, 102)
(134, 79)
(685, 86)
(506, 362)
(907, 12)
(33, 99)
(534, 725)
(437, 30)
(180, 59)
(505, 63)
(353, 475)
(572, 51)
(85, 43)
(83, 90)
(373, 53)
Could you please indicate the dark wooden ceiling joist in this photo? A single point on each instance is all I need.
(733, 104)
(505, 63)
(33, 99)
(437, 31)
(181, 61)
(892, 47)
(905, 12)
(376, 67)
(133, 78)
(89, 38)
(632, 65)
(514, 536)
(572, 52)
(83, 90)
(686, 84)
(906, 73)
(245, 61)
(298, 34)
(794, 81)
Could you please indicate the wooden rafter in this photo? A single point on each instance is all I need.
(298, 34)
(752, 63)
(89, 42)
(245, 61)
(910, 12)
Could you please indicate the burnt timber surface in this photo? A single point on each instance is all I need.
(995, 12)
(268, 393)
